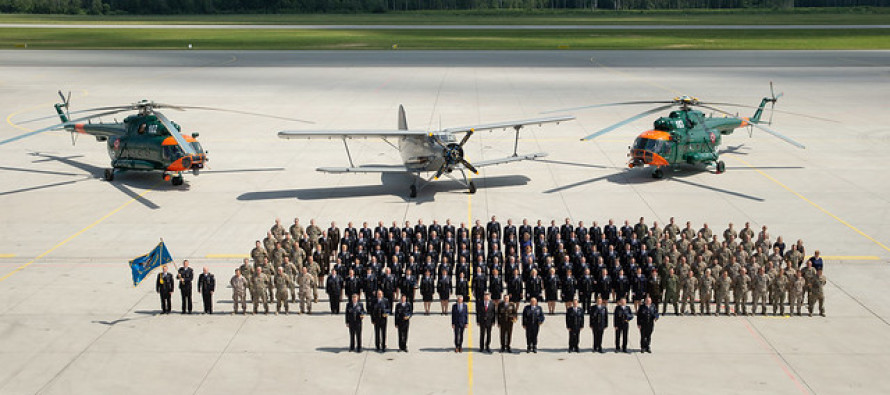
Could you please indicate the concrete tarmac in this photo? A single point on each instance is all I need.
(71, 321)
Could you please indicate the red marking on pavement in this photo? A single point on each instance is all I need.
(779, 362)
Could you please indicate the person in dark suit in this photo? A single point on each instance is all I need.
(355, 312)
(507, 313)
(485, 317)
(532, 319)
(404, 311)
(599, 321)
(186, 275)
(459, 322)
(206, 286)
(379, 314)
(622, 318)
(334, 287)
(574, 324)
(164, 286)
(647, 315)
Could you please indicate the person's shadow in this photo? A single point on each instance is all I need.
(333, 350)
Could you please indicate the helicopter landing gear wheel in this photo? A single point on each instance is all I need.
(658, 173)
(109, 175)
(176, 181)
(413, 192)
(472, 187)
(721, 167)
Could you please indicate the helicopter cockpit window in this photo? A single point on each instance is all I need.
(172, 152)
(650, 145)
(197, 146)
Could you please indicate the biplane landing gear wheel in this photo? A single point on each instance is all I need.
(472, 187)
(109, 175)
(658, 173)
(176, 181)
(721, 167)
(413, 192)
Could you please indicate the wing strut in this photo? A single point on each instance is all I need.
(516, 142)
(348, 154)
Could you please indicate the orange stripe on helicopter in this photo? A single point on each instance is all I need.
(171, 141)
(178, 165)
(744, 121)
(658, 160)
(79, 128)
(655, 135)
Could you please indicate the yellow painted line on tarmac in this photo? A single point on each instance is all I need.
(80, 232)
(851, 258)
(7, 255)
(804, 198)
(223, 256)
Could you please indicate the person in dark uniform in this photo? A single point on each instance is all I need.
(206, 286)
(485, 317)
(462, 287)
(507, 314)
(427, 289)
(355, 312)
(551, 290)
(646, 317)
(534, 286)
(622, 317)
(586, 289)
(514, 289)
(185, 277)
(574, 324)
(334, 287)
(459, 322)
(164, 286)
(352, 285)
(379, 314)
(404, 311)
(444, 289)
(599, 321)
(532, 319)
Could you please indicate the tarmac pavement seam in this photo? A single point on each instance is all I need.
(834, 284)
(779, 358)
(220, 355)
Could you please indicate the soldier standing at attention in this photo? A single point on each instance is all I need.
(239, 286)
(206, 286)
(164, 286)
(817, 284)
(706, 286)
(507, 314)
(404, 311)
(313, 232)
(622, 318)
(779, 287)
(574, 324)
(599, 321)
(258, 253)
(459, 322)
(671, 291)
(334, 288)
(647, 315)
(355, 312)
(307, 286)
(282, 282)
(258, 291)
(689, 288)
(795, 293)
(741, 283)
(485, 317)
(277, 230)
(761, 290)
(185, 276)
(296, 230)
(379, 314)
(724, 285)
(532, 319)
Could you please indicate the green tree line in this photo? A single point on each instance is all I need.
(149, 7)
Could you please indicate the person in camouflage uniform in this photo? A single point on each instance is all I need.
(690, 285)
(239, 289)
(779, 287)
(313, 232)
(760, 287)
(258, 290)
(724, 285)
(292, 272)
(296, 230)
(796, 291)
(282, 283)
(258, 254)
(740, 285)
(671, 291)
(307, 286)
(817, 285)
(705, 287)
(315, 270)
(277, 230)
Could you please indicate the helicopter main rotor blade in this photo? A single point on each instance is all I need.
(782, 137)
(256, 114)
(767, 109)
(626, 121)
(627, 103)
(186, 147)
(122, 108)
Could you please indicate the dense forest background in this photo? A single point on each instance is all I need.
(145, 7)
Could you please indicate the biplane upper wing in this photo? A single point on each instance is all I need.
(348, 134)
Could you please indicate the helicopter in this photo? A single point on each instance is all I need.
(144, 141)
(687, 135)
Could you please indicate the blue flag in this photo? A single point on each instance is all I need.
(143, 265)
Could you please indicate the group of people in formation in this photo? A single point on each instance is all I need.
(542, 265)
